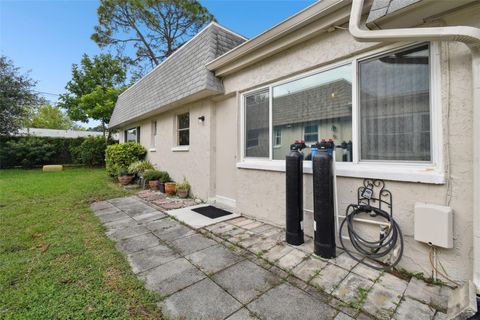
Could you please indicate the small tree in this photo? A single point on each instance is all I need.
(153, 28)
(50, 117)
(94, 89)
(17, 97)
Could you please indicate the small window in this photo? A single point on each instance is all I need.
(310, 133)
(153, 129)
(132, 135)
(278, 138)
(257, 124)
(183, 129)
(395, 106)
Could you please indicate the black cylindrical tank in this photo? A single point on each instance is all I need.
(323, 210)
(294, 194)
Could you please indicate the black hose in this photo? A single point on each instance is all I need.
(372, 249)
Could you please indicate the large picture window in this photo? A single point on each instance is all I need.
(394, 94)
(314, 108)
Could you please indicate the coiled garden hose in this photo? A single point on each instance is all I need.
(372, 249)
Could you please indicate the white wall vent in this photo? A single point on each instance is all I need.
(434, 224)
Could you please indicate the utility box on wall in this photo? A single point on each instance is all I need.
(434, 224)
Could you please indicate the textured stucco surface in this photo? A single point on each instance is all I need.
(215, 148)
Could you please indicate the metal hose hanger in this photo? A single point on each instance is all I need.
(391, 235)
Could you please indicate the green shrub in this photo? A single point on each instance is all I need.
(165, 177)
(31, 151)
(119, 156)
(152, 175)
(184, 185)
(138, 167)
(91, 152)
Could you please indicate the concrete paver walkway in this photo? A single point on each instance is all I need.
(242, 269)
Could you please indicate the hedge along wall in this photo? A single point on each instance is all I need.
(30, 151)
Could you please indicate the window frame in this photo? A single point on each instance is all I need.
(153, 134)
(178, 129)
(418, 171)
(137, 132)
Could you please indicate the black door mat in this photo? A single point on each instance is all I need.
(212, 212)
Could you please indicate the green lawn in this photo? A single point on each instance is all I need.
(55, 261)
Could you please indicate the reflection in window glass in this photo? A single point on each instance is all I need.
(256, 125)
(132, 135)
(395, 106)
(314, 108)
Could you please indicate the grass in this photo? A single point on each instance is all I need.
(55, 261)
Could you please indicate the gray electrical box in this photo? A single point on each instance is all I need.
(434, 224)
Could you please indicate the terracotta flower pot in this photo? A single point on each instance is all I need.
(124, 180)
(153, 184)
(170, 187)
(183, 193)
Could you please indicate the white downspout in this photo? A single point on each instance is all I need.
(471, 37)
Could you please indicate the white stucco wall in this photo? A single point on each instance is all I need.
(261, 194)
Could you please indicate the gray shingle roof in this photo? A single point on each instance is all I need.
(381, 8)
(183, 75)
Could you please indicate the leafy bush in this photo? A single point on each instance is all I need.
(91, 152)
(31, 151)
(119, 156)
(139, 167)
(184, 185)
(162, 176)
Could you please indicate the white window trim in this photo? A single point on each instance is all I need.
(181, 149)
(422, 172)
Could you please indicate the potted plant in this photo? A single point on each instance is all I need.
(170, 187)
(183, 188)
(123, 176)
(165, 177)
(139, 167)
(153, 177)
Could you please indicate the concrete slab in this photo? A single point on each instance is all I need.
(213, 259)
(412, 309)
(277, 252)
(169, 230)
(329, 278)
(123, 201)
(292, 259)
(241, 221)
(136, 209)
(152, 257)
(242, 314)
(221, 227)
(172, 276)
(120, 224)
(112, 216)
(367, 272)
(343, 316)
(197, 220)
(395, 284)
(149, 216)
(203, 300)
(433, 295)
(245, 280)
(309, 268)
(344, 261)
(261, 229)
(242, 236)
(128, 232)
(353, 289)
(261, 247)
(138, 243)
(288, 302)
(100, 205)
(191, 244)
(381, 301)
(253, 225)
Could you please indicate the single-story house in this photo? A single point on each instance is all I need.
(223, 110)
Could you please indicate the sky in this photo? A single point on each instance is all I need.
(46, 37)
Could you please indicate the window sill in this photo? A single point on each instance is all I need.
(181, 149)
(152, 150)
(393, 172)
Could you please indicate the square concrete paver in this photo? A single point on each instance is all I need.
(433, 295)
(292, 259)
(127, 232)
(288, 302)
(138, 243)
(137, 209)
(149, 216)
(191, 244)
(245, 280)
(381, 301)
(213, 259)
(353, 289)
(411, 309)
(277, 252)
(242, 314)
(309, 268)
(169, 229)
(172, 276)
(203, 300)
(329, 278)
(112, 215)
(366, 271)
(151, 257)
(119, 202)
(122, 223)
